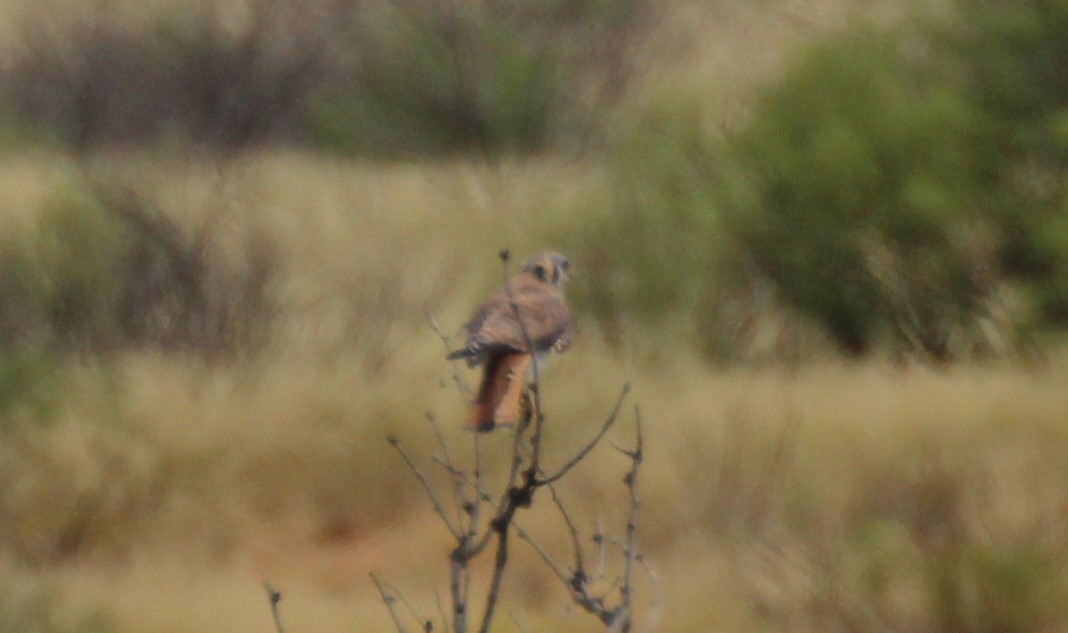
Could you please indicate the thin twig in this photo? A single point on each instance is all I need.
(563, 619)
(580, 566)
(458, 586)
(438, 507)
(424, 624)
(515, 496)
(516, 622)
(656, 606)
(539, 416)
(524, 477)
(555, 567)
(480, 488)
(459, 499)
(592, 443)
(457, 376)
(627, 590)
(274, 596)
(390, 604)
(598, 538)
(576, 582)
(441, 613)
(500, 560)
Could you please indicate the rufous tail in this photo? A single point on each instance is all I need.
(500, 394)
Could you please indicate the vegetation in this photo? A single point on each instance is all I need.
(827, 246)
(892, 189)
(367, 76)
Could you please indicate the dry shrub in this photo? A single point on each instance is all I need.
(355, 75)
(91, 78)
(105, 269)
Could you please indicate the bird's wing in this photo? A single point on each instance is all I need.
(542, 314)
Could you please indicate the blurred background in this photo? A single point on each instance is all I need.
(826, 241)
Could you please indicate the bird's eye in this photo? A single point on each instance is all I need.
(540, 273)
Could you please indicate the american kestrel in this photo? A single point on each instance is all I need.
(496, 338)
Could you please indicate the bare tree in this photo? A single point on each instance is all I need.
(482, 521)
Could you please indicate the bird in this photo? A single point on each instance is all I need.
(504, 337)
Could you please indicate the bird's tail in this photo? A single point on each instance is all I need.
(500, 394)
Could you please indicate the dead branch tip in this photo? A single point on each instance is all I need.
(274, 597)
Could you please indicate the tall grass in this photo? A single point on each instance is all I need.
(826, 497)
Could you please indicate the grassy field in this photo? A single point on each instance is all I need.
(153, 492)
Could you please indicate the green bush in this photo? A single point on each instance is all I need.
(852, 189)
(661, 252)
(78, 250)
(885, 190)
(1013, 58)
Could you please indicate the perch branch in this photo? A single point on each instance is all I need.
(457, 376)
(593, 443)
(524, 476)
(390, 602)
(627, 589)
(274, 597)
(438, 507)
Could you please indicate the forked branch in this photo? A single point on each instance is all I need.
(474, 534)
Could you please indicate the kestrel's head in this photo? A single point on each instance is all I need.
(550, 267)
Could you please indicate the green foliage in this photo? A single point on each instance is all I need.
(850, 187)
(885, 188)
(18, 131)
(660, 252)
(79, 250)
(28, 383)
(977, 587)
(1014, 60)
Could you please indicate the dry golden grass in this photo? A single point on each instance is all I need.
(178, 491)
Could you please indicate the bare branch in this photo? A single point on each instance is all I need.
(459, 499)
(441, 613)
(599, 539)
(555, 567)
(656, 605)
(631, 480)
(522, 479)
(457, 376)
(425, 624)
(516, 622)
(593, 443)
(576, 582)
(499, 562)
(458, 587)
(539, 417)
(274, 596)
(580, 566)
(390, 604)
(480, 488)
(438, 507)
(563, 620)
